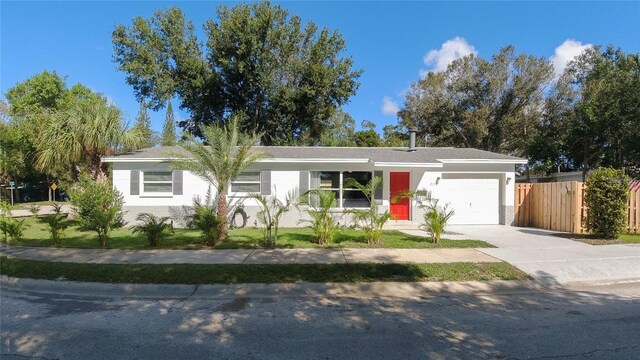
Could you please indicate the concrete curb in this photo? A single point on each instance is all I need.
(416, 290)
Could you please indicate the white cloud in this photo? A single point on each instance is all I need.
(450, 51)
(566, 52)
(389, 107)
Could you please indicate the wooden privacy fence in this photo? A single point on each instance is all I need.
(560, 206)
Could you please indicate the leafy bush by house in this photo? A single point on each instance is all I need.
(154, 228)
(369, 220)
(56, 224)
(204, 216)
(98, 207)
(12, 228)
(606, 199)
(271, 211)
(323, 222)
(436, 219)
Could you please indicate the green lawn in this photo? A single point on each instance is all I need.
(594, 240)
(630, 238)
(246, 273)
(36, 235)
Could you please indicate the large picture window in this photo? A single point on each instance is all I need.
(157, 182)
(334, 181)
(247, 182)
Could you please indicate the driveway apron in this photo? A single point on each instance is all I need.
(552, 259)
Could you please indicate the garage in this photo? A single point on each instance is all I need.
(475, 201)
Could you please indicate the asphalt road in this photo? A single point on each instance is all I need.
(593, 323)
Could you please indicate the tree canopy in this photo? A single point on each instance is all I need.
(285, 77)
(592, 116)
(143, 127)
(169, 128)
(491, 104)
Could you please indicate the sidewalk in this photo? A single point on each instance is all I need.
(247, 256)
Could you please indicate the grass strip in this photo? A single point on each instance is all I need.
(246, 273)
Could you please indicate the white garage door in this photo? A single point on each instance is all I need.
(475, 201)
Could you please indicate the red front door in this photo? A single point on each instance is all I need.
(399, 183)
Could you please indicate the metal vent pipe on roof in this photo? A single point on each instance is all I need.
(412, 138)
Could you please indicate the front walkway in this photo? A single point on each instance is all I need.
(554, 259)
(247, 256)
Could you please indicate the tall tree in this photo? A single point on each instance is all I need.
(169, 128)
(30, 104)
(592, 116)
(82, 135)
(395, 135)
(338, 131)
(41, 92)
(285, 76)
(367, 137)
(226, 156)
(487, 104)
(143, 126)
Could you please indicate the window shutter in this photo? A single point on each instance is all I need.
(134, 184)
(265, 182)
(304, 182)
(378, 193)
(177, 182)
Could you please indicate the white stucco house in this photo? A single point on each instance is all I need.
(478, 185)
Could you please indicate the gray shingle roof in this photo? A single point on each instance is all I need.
(382, 154)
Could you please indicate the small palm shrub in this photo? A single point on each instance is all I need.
(323, 222)
(34, 209)
(154, 228)
(12, 228)
(98, 207)
(370, 220)
(606, 199)
(57, 208)
(204, 217)
(271, 210)
(436, 219)
(56, 224)
(5, 215)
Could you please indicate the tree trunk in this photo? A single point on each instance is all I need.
(222, 215)
(104, 240)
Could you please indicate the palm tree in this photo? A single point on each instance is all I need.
(223, 154)
(82, 135)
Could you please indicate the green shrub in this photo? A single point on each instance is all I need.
(56, 224)
(98, 207)
(370, 220)
(12, 228)
(34, 209)
(204, 217)
(436, 220)
(154, 228)
(606, 199)
(323, 222)
(271, 210)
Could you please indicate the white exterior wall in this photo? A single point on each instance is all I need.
(285, 177)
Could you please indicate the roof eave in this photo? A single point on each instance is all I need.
(483, 161)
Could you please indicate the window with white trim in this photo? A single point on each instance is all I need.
(346, 197)
(247, 182)
(157, 182)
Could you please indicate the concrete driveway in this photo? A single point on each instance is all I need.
(552, 259)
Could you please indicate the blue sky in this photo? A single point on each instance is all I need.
(393, 42)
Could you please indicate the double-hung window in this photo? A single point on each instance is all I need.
(335, 181)
(157, 182)
(247, 182)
